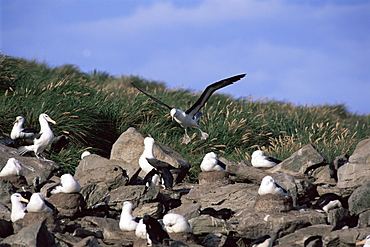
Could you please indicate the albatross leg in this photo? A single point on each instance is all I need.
(204, 135)
(186, 139)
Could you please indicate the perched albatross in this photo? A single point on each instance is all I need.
(12, 167)
(269, 186)
(38, 142)
(67, 185)
(190, 117)
(210, 163)
(37, 204)
(259, 159)
(176, 223)
(18, 209)
(18, 131)
(128, 222)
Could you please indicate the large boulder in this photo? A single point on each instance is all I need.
(359, 201)
(301, 162)
(361, 154)
(353, 175)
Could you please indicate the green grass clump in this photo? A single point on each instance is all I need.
(93, 109)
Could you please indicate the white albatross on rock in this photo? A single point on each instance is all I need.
(259, 159)
(18, 209)
(190, 117)
(269, 186)
(38, 142)
(127, 222)
(12, 167)
(18, 131)
(211, 163)
(37, 204)
(68, 184)
(176, 223)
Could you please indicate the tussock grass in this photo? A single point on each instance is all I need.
(93, 109)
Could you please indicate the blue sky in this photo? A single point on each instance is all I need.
(304, 52)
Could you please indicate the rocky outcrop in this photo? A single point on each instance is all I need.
(224, 205)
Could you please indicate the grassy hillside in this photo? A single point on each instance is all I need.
(93, 109)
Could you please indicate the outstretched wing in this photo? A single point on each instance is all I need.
(156, 100)
(209, 91)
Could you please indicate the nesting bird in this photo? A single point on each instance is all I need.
(259, 159)
(176, 223)
(68, 184)
(190, 117)
(37, 204)
(365, 242)
(18, 131)
(12, 167)
(18, 209)
(127, 222)
(328, 202)
(269, 186)
(38, 142)
(211, 162)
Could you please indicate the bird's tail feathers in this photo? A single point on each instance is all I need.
(22, 150)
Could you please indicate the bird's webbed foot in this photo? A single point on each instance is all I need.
(204, 135)
(186, 139)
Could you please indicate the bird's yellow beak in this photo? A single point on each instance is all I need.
(51, 121)
(15, 121)
(22, 199)
(361, 242)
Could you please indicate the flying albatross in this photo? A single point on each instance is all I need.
(38, 142)
(190, 117)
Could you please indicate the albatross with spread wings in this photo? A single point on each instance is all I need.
(190, 117)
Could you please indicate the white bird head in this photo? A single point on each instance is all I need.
(257, 153)
(127, 205)
(173, 113)
(65, 178)
(148, 141)
(210, 155)
(16, 197)
(47, 118)
(19, 120)
(267, 180)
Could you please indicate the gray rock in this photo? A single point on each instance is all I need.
(188, 210)
(236, 197)
(301, 235)
(353, 175)
(364, 219)
(94, 169)
(33, 235)
(90, 241)
(242, 173)
(68, 205)
(361, 154)
(359, 201)
(345, 238)
(301, 162)
(208, 224)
